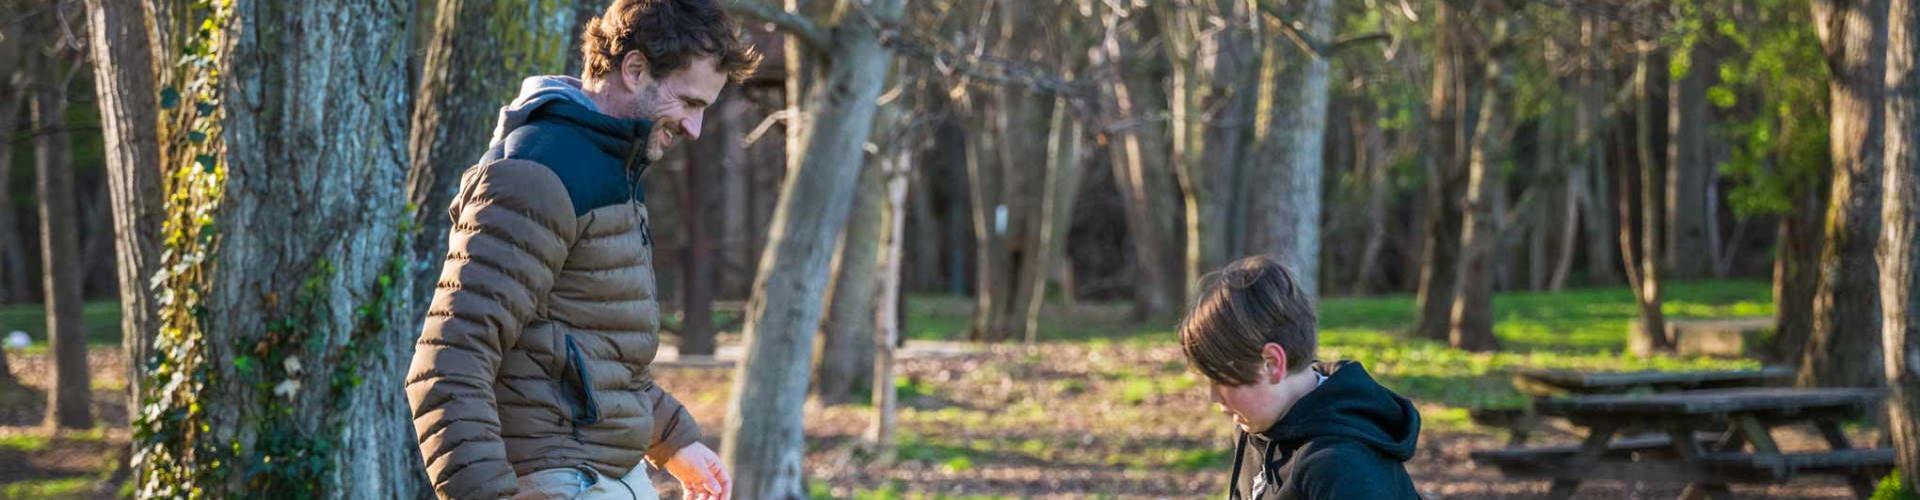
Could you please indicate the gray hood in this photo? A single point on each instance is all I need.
(536, 91)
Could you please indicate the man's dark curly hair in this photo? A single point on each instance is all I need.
(670, 34)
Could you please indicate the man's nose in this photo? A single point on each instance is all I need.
(691, 127)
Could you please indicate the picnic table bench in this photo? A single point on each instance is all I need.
(1539, 383)
(1747, 414)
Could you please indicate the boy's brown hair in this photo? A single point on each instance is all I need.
(1241, 308)
(670, 34)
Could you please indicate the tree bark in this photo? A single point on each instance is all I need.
(129, 116)
(71, 400)
(846, 354)
(287, 289)
(1446, 179)
(1288, 203)
(1900, 238)
(478, 53)
(1215, 92)
(1471, 325)
(1845, 346)
(764, 442)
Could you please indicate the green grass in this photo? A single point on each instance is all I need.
(70, 487)
(101, 320)
(1582, 329)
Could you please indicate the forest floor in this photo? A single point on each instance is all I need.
(1100, 408)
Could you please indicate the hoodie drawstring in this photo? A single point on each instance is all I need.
(1239, 455)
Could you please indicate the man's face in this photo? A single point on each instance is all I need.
(676, 103)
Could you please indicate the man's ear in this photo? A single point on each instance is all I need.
(633, 70)
(1276, 359)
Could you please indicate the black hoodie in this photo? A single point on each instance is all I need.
(1348, 439)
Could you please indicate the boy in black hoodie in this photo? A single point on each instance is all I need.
(1320, 431)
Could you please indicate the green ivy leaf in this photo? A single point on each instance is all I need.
(169, 98)
(206, 163)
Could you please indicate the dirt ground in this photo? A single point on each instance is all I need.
(1053, 421)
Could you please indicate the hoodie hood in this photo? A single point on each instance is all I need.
(599, 158)
(537, 91)
(1350, 405)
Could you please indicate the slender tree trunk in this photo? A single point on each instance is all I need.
(129, 117)
(1845, 347)
(1900, 237)
(1446, 179)
(1642, 263)
(71, 404)
(1471, 325)
(1048, 238)
(886, 324)
(1212, 124)
(479, 50)
(763, 442)
(1292, 147)
(286, 310)
(847, 348)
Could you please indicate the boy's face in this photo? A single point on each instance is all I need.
(1255, 407)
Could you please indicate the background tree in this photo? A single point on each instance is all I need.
(1846, 311)
(123, 76)
(284, 296)
(53, 66)
(1900, 238)
(763, 440)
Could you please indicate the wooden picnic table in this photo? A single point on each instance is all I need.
(1706, 464)
(1539, 383)
(1544, 382)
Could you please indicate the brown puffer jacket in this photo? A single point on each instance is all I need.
(535, 350)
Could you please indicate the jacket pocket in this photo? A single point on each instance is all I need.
(586, 410)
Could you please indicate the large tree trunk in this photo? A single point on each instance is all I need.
(286, 311)
(478, 53)
(1690, 166)
(1845, 347)
(1446, 179)
(846, 355)
(1287, 203)
(1900, 239)
(1471, 325)
(129, 118)
(71, 404)
(763, 442)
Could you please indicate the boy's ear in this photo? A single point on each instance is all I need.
(1276, 362)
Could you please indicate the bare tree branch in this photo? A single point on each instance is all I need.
(1312, 47)
(794, 24)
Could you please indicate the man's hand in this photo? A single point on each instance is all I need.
(701, 473)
